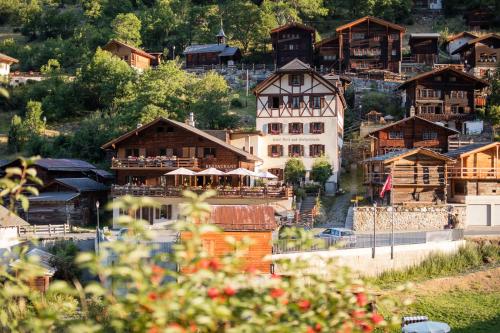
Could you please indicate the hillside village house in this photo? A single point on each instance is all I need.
(5, 63)
(456, 41)
(481, 55)
(9, 224)
(293, 41)
(424, 48)
(327, 53)
(301, 115)
(479, 18)
(212, 54)
(446, 95)
(370, 43)
(142, 158)
(134, 56)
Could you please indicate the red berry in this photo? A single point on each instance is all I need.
(366, 328)
(304, 304)
(361, 299)
(212, 293)
(277, 292)
(229, 291)
(153, 329)
(214, 264)
(310, 330)
(377, 318)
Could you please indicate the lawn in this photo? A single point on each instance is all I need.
(247, 109)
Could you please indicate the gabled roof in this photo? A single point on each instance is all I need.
(326, 40)
(10, 219)
(480, 83)
(452, 131)
(186, 127)
(59, 164)
(244, 218)
(80, 185)
(204, 48)
(399, 154)
(293, 25)
(462, 34)
(45, 261)
(471, 149)
(295, 65)
(133, 48)
(7, 59)
(103, 173)
(54, 197)
(470, 43)
(372, 19)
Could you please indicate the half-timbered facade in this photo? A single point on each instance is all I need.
(293, 40)
(481, 55)
(409, 133)
(135, 57)
(370, 43)
(446, 95)
(301, 115)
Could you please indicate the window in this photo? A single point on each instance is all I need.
(275, 150)
(454, 109)
(316, 150)
(164, 212)
(316, 102)
(394, 52)
(274, 102)
(358, 35)
(429, 135)
(295, 128)
(396, 135)
(125, 57)
(277, 172)
(330, 57)
(132, 152)
(429, 93)
(453, 79)
(317, 128)
(295, 150)
(295, 102)
(209, 152)
(163, 152)
(275, 128)
(458, 94)
(160, 129)
(394, 36)
(251, 150)
(296, 79)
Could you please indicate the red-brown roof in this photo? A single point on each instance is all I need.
(462, 34)
(133, 48)
(481, 83)
(293, 25)
(372, 19)
(244, 218)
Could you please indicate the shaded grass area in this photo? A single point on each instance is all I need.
(472, 256)
(247, 106)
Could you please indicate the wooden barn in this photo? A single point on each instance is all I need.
(424, 48)
(293, 40)
(446, 95)
(134, 56)
(409, 133)
(67, 200)
(418, 176)
(481, 55)
(327, 54)
(370, 43)
(256, 223)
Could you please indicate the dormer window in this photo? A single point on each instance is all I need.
(296, 79)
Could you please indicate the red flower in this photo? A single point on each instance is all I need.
(229, 291)
(215, 264)
(277, 292)
(284, 302)
(317, 327)
(377, 318)
(310, 330)
(275, 276)
(357, 314)
(204, 264)
(304, 304)
(366, 328)
(212, 293)
(193, 328)
(153, 296)
(361, 299)
(156, 274)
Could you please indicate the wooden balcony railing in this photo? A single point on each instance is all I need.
(410, 175)
(153, 162)
(232, 192)
(474, 173)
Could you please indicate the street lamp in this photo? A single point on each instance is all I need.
(173, 52)
(98, 231)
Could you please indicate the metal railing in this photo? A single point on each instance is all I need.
(152, 162)
(366, 241)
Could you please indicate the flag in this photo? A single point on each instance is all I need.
(387, 186)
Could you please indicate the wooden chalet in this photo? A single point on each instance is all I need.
(370, 43)
(134, 56)
(446, 95)
(256, 223)
(433, 5)
(409, 133)
(418, 176)
(327, 53)
(46, 269)
(424, 48)
(481, 55)
(212, 54)
(476, 171)
(456, 41)
(293, 40)
(5, 63)
(480, 18)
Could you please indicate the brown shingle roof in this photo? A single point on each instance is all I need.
(374, 19)
(481, 83)
(133, 48)
(244, 218)
(292, 25)
(7, 59)
(474, 41)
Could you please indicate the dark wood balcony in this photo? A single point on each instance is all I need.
(155, 163)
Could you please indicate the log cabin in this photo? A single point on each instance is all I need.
(327, 54)
(370, 43)
(133, 56)
(418, 176)
(424, 48)
(409, 133)
(455, 41)
(141, 158)
(293, 41)
(255, 223)
(446, 95)
(481, 55)
(212, 54)
(5, 63)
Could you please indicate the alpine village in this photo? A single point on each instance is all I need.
(182, 166)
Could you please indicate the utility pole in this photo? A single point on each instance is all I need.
(374, 229)
(247, 88)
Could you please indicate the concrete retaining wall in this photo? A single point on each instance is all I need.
(361, 261)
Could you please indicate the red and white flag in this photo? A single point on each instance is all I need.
(387, 186)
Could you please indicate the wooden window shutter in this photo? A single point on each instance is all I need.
(302, 79)
(280, 127)
(289, 150)
(281, 150)
(322, 99)
(269, 150)
(322, 127)
(301, 150)
(289, 79)
(311, 150)
(323, 149)
(290, 128)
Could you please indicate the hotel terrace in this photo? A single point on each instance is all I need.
(164, 157)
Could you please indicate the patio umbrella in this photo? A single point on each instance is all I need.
(210, 172)
(266, 175)
(242, 172)
(181, 172)
(427, 327)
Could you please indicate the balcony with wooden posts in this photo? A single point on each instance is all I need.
(474, 173)
(161, 162)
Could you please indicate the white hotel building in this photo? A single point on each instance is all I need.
(300, 114)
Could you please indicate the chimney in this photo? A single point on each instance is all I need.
(412, 111)
(190, 120)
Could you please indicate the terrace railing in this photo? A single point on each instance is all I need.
(154, 163)
(42, 230)
(474, 173)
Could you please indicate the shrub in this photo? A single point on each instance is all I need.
(321, 170)
(236, 103)
(295, 171)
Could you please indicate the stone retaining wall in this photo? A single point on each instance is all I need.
(408, 218)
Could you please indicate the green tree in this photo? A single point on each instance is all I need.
(321, 170)
(295, 171)
(127, 28)
(33, 123)
(16, 136)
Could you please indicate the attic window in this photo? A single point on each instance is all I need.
(453, 79)
(396, 135)
(438, 78)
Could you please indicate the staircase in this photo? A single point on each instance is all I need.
(307, 210)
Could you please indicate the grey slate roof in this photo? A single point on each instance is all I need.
(219, 134)
(44, 261)
(465, 149)
(223, 49)
(389, 155)
(425, 35)
(64, 164)
(82, 184)
(54, 197)
(103, 173)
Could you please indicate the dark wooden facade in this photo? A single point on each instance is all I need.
(480, 18)
(446, 95)
(327, 53)
(293, 40)
(370, 43)
(424, 48)
(409, 133)
(481, 55)
(143, 156)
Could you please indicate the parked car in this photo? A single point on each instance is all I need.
(344, 235)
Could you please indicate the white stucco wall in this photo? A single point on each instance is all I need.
(4, 68)
(8, 237)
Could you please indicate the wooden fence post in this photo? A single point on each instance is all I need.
(50, 230)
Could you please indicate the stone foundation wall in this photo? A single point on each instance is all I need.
(408, 218)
